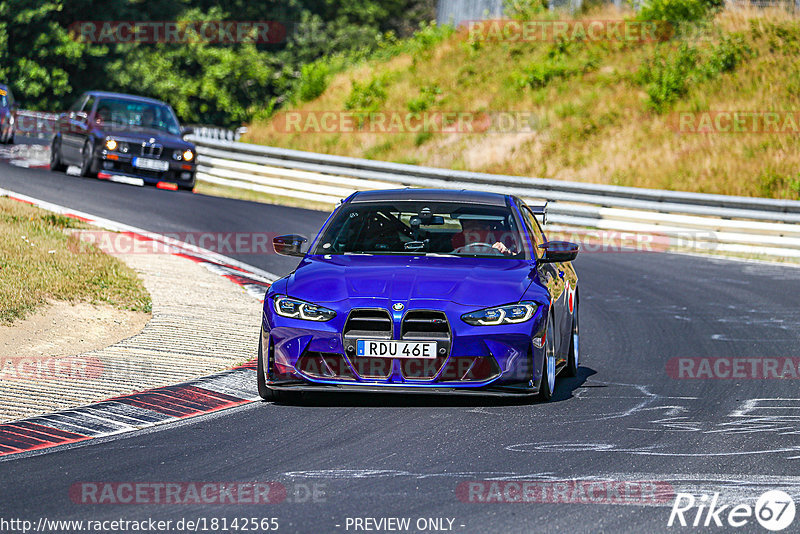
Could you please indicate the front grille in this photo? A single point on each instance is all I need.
(369, 323)
(470, 369)
(151, 150)
(425, 324)
(324, 365)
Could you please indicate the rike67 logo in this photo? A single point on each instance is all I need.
(774, 511)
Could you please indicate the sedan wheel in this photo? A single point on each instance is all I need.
(87, 160)
(263, 391)
(548, 383)
(55, 156)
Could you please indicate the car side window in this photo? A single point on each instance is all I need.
(88, 105)
(535, 230)
(78, 104)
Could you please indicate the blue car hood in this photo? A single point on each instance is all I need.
(468, 281)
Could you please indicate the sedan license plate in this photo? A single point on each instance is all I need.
(396, 349)
(150, 164)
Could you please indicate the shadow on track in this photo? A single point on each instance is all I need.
(564, 388)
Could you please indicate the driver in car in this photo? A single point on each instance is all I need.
(103, 115)
(477, 232)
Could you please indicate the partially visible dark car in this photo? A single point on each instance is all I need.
(8, 108)
(109, 134)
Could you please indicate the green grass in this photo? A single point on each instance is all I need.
(41, 261)
(606, 109)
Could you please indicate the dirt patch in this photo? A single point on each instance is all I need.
(64, 329)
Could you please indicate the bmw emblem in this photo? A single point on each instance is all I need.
(398, 306)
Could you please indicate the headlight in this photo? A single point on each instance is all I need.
(188, 155)
(509, 314)
(119, 146)
(298, 309)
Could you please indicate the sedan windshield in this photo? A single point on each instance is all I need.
(130, 114)
(423, 228)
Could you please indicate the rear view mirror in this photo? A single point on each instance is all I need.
(433, 220)
(289, 245)
(559, 251)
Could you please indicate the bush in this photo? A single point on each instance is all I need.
(313, 80)
(542, 73)
(427, 97)
(678, 10)
(366, 97)
(667, 76)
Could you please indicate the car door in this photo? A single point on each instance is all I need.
(77, 130)
(69, 137)
(552, 276)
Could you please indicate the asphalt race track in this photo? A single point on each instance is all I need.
(624, 419)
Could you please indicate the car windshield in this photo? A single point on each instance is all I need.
(423, 228)
(133, 115)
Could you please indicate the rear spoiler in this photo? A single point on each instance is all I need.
(541, 211)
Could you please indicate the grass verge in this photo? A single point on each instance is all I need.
(594, 111)
(41, 261)
(205, 188)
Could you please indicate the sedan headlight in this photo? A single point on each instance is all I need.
(185, 155)
(118, 146)
(509, 314)
(299, 309)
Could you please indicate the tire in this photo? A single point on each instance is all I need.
(87, 161)
(56, 164)
(263, 391)
(548, 383)
(573, 358)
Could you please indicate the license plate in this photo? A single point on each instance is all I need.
(150, 164)
(396, 349)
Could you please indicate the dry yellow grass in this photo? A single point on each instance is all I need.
(40, 261)
(593, 127)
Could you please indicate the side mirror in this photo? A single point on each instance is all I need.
(187, 130)
(82, 116)
(559, 251)
(289, 245)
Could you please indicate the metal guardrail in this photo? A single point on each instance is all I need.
(216, 133)
(723, 223)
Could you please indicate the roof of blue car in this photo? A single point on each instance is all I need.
(125, 96)
(431, 195)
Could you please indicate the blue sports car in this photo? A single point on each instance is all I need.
(422, 290)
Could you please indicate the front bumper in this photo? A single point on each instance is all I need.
(503, 360)
(179, 172)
